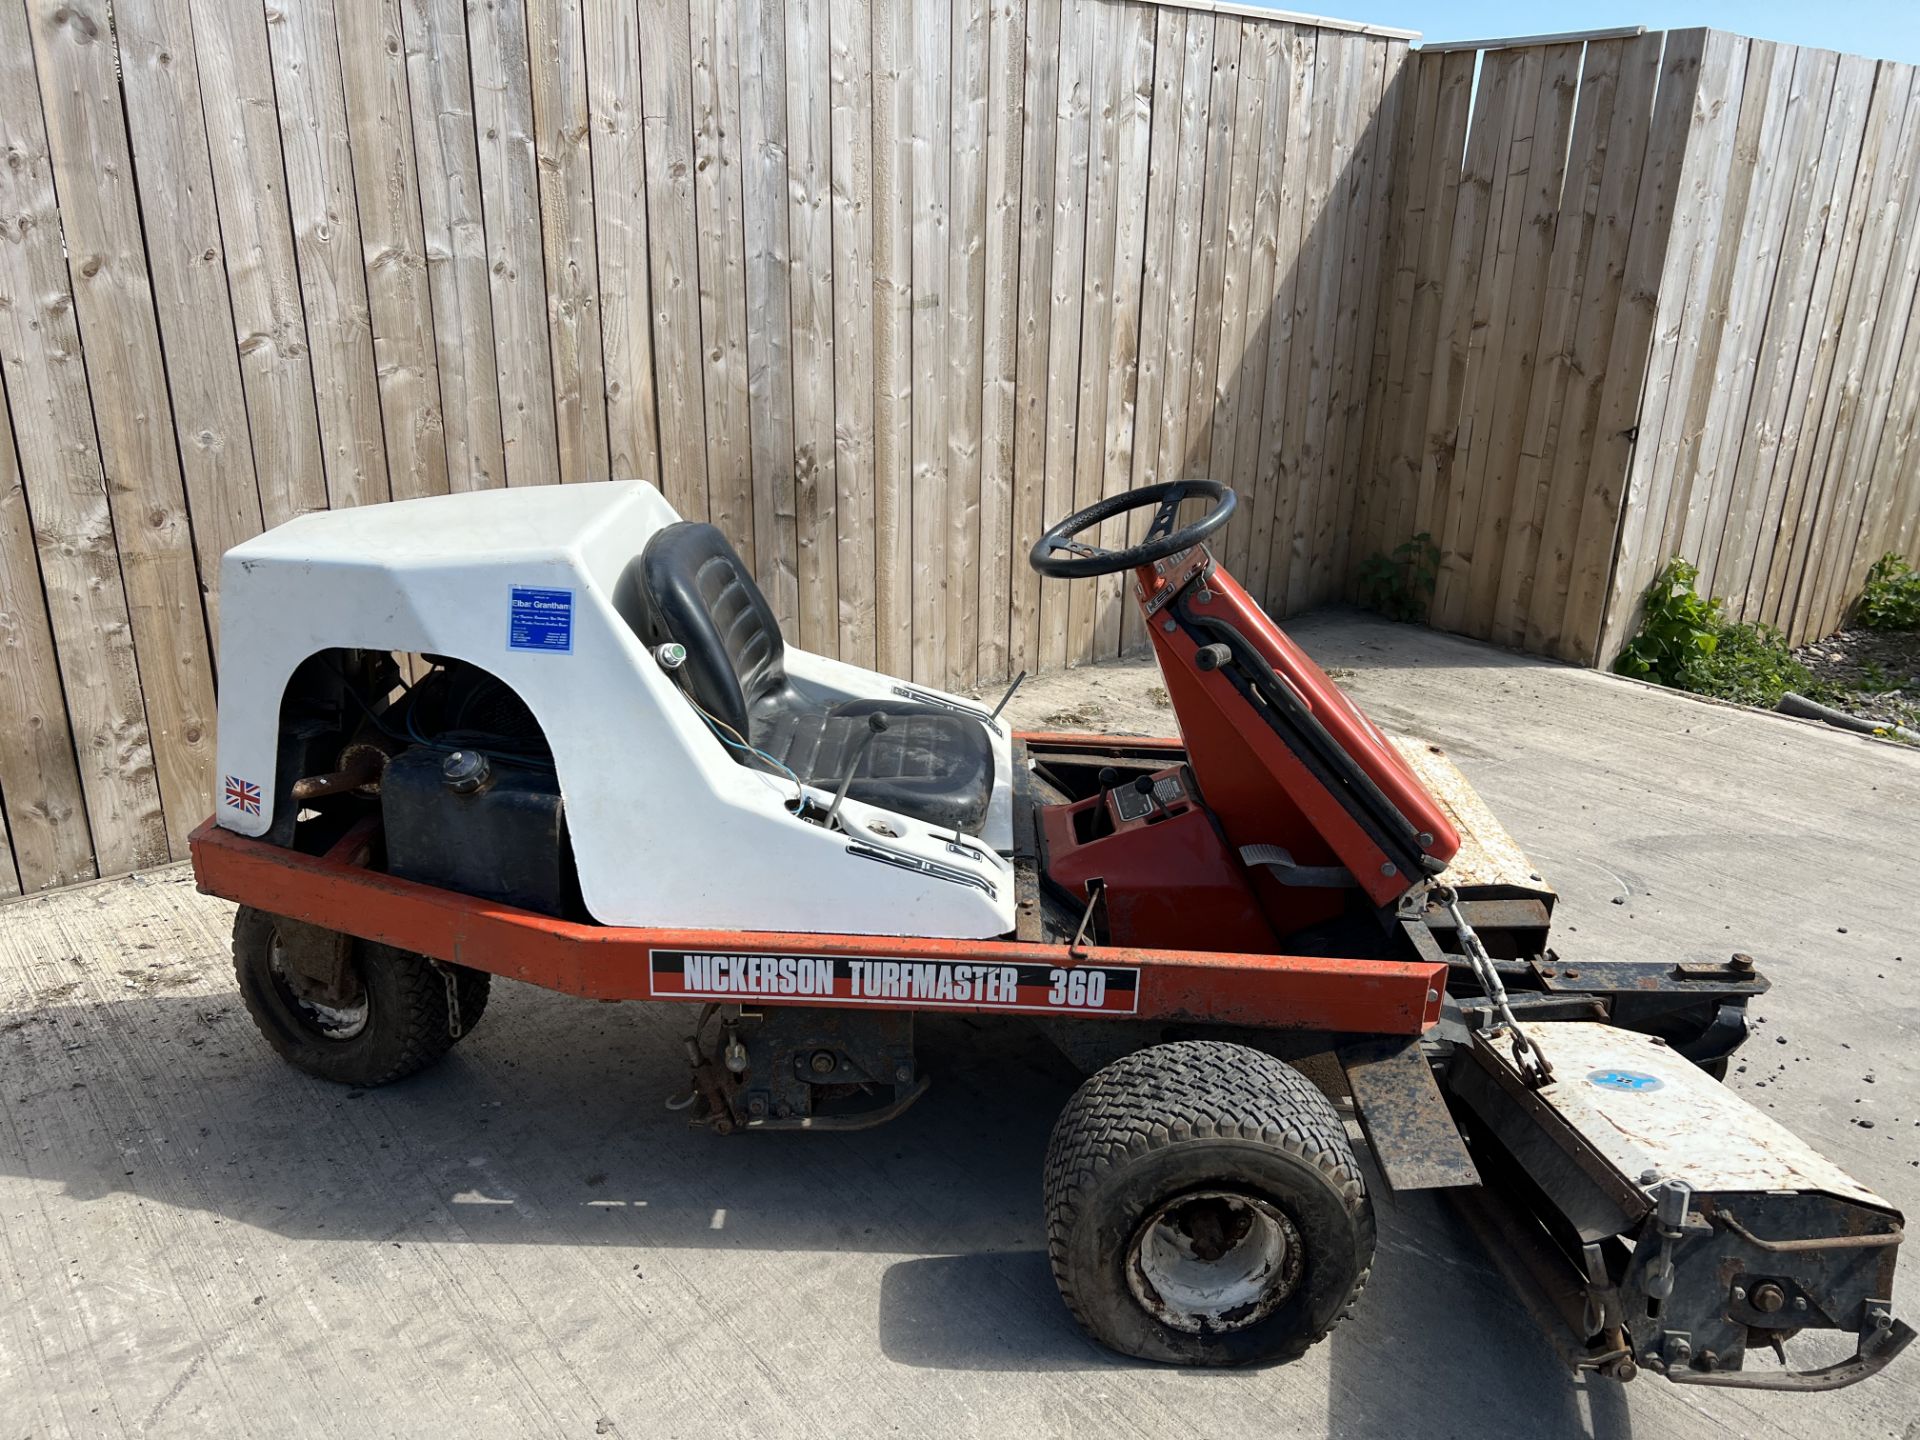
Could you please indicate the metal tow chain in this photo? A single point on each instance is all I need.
(1535, 1070)
(453, 998)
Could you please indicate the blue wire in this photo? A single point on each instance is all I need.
(731, 744)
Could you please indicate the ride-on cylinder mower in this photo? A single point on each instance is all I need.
(555, 735)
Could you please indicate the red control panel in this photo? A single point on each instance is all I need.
(1168, 875)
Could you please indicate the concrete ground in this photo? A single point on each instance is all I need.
(195, 1239)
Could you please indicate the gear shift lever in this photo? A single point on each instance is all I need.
(1109, 777)
(876, 724)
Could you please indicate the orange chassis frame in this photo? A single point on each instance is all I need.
(337, 891)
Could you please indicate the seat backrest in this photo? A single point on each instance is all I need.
(702, 596)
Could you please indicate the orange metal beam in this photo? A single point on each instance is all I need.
(603, 962)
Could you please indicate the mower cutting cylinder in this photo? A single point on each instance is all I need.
(1687, 1226)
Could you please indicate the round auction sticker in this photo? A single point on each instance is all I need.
(1633, 1081)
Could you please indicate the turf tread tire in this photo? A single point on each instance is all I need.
(407, 1029)
(1201, 1096)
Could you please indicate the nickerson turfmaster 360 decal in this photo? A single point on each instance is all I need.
(838, 980)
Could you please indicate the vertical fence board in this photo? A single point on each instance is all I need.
(563, 165)
(1435, 281)
(1517, 90)
(1652, 259)
(666, 79)
(256, 231)
(930, 172)
(65, 488)
(45, 818)
(1513, 364)
(327, 244)
(893, 536)
(1277, 484)
(965, 304)
(1410, 170)
(1210, 281)
(1686, 296)
(810, 297)
(386, 190)
(1131, 94)
(510, 200)
(1570, 220)
(762, 144)
(1756, 477)
(1847, 129)
(1189, 221)
(1000, 337)
(616, 118)
(1571, 438)
(1233, 392)
(1163, 146)
(1755, 256)
(1873, 300)
(160, 78)
(126, 373)
(1106, 72)
(1803, 538)
(1878, 518)
(1038, 147)
(720, 233)
(447, 162)
(1293, 302)
(1361, 285)
(1338, 68)
(851, 61)
(1072, 124)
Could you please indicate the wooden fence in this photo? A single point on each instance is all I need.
(1650, 296)
(875, 285)
(1777, 439)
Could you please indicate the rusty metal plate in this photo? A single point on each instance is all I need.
(1488, 855)
(1406, 1121)
(1607, 976)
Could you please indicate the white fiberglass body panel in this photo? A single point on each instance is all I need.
(534, 585)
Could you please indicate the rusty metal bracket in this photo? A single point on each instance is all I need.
(1725, 1218)
(1174, 572)
(1876, 1349)
(1096, 889)
(1404, 1117)
(321, 961)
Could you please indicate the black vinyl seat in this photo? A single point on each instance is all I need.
(931, 764)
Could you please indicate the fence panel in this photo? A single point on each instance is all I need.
(879, 286)
(875, 286)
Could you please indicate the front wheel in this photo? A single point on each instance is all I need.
(1204, 1207)
(392, 1014)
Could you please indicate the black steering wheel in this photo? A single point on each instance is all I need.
(1162, 540)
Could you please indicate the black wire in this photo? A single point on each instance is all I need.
(412, 736)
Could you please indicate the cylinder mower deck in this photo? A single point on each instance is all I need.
(1180, 916)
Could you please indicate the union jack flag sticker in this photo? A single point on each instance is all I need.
(243, 796)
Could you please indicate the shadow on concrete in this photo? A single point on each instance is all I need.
(547, 1126)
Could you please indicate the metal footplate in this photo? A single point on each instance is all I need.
(1681, 1227)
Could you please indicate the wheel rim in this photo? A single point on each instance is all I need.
(327, 1022)
(1214, 1260)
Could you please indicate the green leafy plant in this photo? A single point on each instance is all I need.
(1400, 586)
(1688, 642)
(1891, 600)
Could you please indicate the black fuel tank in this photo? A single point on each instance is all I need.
(461, 821)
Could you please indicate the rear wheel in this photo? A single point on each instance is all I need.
(1204, 1207)
(393, 1014)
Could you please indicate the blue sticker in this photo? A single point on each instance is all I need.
(1631, 1081)
(540, 620)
